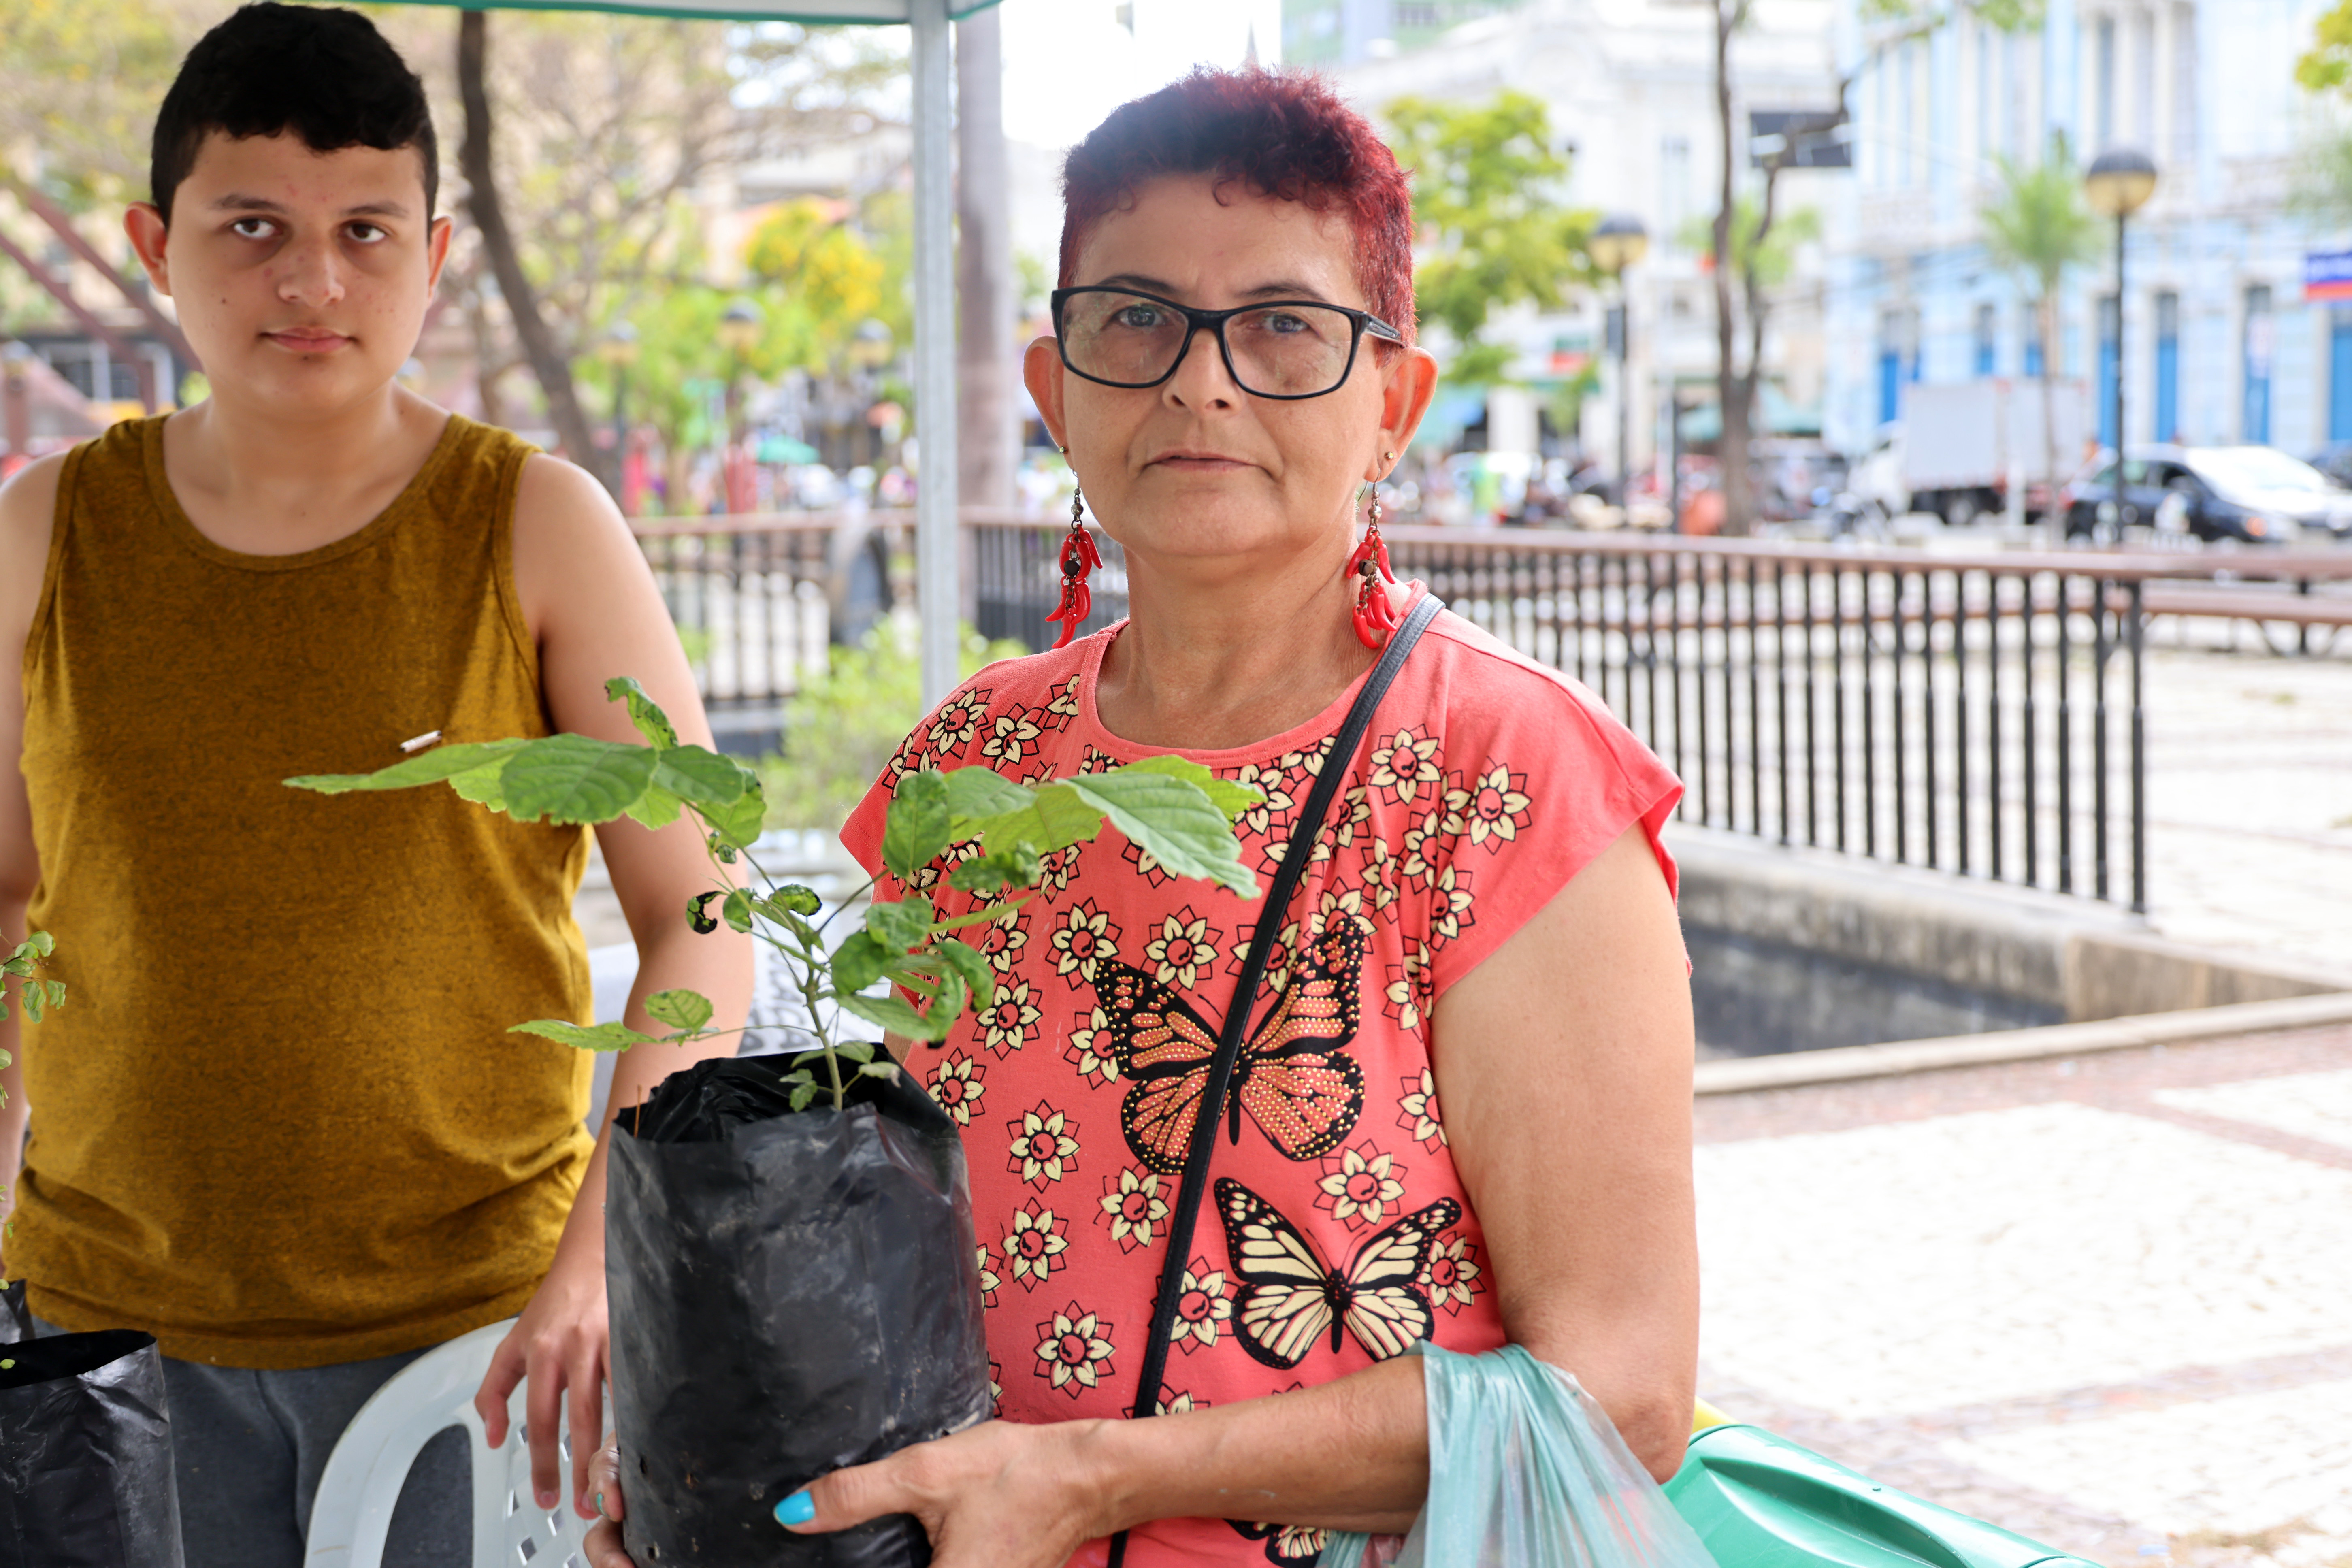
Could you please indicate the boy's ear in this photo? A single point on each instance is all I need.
(436, 252)
(149, 236)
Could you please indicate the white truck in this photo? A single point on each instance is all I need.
(1958, 444)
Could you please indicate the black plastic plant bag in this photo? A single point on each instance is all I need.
(86, 1455)
(790, 1293)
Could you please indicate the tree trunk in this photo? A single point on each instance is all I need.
(547, 362)
(987, 436)
(1732, 390)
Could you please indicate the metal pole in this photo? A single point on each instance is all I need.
(937, 595)
(2118, 403)
(1624, 394)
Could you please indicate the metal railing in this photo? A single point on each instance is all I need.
(1981, 715)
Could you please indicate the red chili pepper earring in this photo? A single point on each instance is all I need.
(1375, 615)
(1079, 557)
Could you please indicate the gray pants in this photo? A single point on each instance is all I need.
(247, 1449)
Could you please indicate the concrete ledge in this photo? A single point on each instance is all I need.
(2086, 960)
(1851, 1062)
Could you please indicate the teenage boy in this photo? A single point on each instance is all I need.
(282, 1125)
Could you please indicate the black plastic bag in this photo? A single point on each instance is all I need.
(790, 1293)
(86, 1455)
(16, 1317)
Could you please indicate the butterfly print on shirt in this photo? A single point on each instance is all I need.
(1293, 1076)
(1291, 1298)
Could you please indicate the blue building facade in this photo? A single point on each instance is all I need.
(2214, 337)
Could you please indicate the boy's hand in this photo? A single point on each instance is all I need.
(560, 1344)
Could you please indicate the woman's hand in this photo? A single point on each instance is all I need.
(604, 1542)
(1000, 1495)
(559, 1343)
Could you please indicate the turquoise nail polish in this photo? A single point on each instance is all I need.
(797, 1509)
(600, 1505)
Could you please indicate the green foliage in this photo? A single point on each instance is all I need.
(40, 997)
(1494, 230)
(2326, 66)
(2321, 184)
(841, 727)
(1176, 811)
(2037, 225)
(1777, 260)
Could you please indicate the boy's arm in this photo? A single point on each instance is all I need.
(590, 601)
(28, 510)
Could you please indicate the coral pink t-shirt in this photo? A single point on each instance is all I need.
(1337, 1232)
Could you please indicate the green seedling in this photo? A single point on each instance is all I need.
(998, 832)
(39, 996)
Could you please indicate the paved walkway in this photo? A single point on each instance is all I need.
(2105, 1301)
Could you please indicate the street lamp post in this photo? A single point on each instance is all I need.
(2117, 184)
(1618, 243)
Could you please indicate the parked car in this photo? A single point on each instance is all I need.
(2255, 494)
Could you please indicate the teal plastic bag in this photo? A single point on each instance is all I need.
(1525, 1470)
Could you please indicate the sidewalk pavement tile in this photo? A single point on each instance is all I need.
(2276, 1465)
(2309, 1105)
(2002, 1254)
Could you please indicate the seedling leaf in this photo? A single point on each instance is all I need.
(644, 712)
(702, 778)
(858, 962)
(900, 926)
(916, 830)
(963, 961)
(736, 911)
(895, 1015)
(575, 779)
(1056, 818)
(702, 923)
(976, 795)
(440, 763)
(737, 825)
(657, 807)
(1171, 821)
(1228, 796)
(688, 1010)
(889, 1070)
(584, 1036)
(57, 994)
(791, 898)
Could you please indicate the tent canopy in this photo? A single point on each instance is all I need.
(936, 564)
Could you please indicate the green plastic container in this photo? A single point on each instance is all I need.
(1761, 1501)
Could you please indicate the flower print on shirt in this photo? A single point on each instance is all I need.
(1074, 1350)
(1347, 826)
(1203, 1309)
(1003, 939)
(1418, 1114)
(1090, 1049)
(1489, 808)
(1150, 869)
(1408, 768)
(958, 1085)
(988, 1276)
(1011, 739)
(1453, 1273)
(1170, 1402)
(1081, 938)
(1405, 998)
(1033, 1243)
(1276, 785)
(1065, 706)
(1362, 1185)
(1134, 1208)
(957, 721)
(1279, 957)
(1010, 1019)
(1450, 913)
(1183, 946)
(1045, 1145)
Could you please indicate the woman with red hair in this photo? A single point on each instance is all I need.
(1453, 1102)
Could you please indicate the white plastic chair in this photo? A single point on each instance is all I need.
(363, 1476)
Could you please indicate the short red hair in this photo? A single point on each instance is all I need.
(1283, 135)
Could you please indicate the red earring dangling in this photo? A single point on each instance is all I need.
(1375, 616)
(1079, 557)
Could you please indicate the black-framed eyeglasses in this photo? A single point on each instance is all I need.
(1281, 349)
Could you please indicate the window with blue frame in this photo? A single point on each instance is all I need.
(2168, 367)
(2259, 334)
(2340, 374)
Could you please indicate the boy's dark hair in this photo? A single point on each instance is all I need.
(327, 76)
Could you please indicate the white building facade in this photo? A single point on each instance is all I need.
(2217, 341)
(1630, 85)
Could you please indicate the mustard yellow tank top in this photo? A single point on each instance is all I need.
(281, 1122)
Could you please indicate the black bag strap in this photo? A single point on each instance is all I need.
(1186, 1219)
